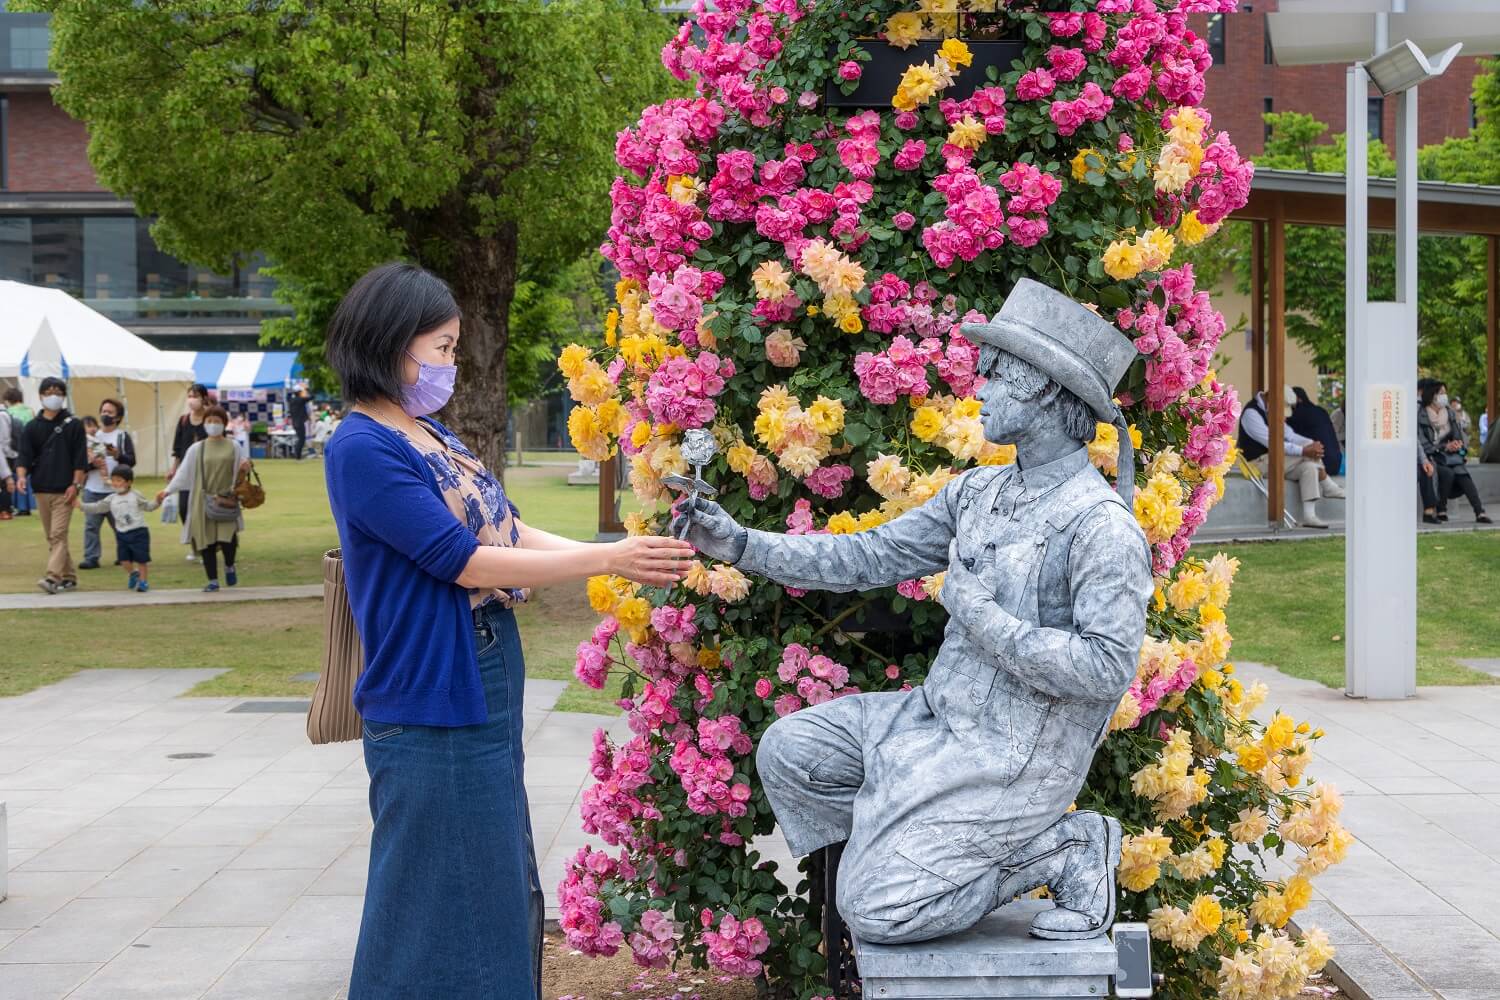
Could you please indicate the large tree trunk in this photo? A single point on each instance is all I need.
(483, 275)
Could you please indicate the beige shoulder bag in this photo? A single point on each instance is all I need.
(332, 718)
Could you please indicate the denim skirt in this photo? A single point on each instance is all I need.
(453, 907)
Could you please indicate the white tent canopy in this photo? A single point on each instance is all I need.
(46, 332)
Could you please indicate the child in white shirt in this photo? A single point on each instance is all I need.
(132, 537)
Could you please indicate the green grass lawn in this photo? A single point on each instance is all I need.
(1287, 608)
(263, 644)
(283, 541)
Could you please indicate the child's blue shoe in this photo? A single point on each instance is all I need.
(135, 579)
(142, 587)
(230, 577)
(211, 587)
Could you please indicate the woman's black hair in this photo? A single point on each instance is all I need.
(376, 321)
(198, 389)
(1430, 390)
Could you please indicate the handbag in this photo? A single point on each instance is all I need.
(251, 494)
(332, 718)
(218, 507)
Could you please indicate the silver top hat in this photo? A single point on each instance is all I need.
(1074, 346)
(1069, 342)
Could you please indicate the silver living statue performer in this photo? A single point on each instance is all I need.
(953, 796)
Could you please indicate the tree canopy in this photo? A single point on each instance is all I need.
(472, 138)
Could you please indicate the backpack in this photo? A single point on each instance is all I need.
(10, 433)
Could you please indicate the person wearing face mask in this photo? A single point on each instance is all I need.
(188, 433)
(53, 461)
(1443, 444)
(434, 556)
(1304, 456)
(111, 446)
(210, 468)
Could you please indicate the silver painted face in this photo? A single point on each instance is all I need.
(1003, 411)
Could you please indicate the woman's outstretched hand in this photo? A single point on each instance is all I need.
(650, 559)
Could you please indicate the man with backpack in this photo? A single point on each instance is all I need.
(53, 460)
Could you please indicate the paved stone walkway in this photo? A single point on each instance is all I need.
(240, 876)
(120, 597)
(237, 876)
(1413, 910)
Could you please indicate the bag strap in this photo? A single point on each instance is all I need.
(69, 419)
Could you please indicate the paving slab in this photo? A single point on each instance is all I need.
(129, 865)
(1412, 909)
(115, 598)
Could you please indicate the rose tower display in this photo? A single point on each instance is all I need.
(799, 244)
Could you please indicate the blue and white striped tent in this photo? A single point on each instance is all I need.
(231, 371)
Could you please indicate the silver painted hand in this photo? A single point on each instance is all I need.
(711, 531)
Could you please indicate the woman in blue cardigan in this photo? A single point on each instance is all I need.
(435, 556)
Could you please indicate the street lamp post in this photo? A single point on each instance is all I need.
(1380, 567)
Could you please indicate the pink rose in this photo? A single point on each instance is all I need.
(904, 221)
(850, 70)
(762, 688)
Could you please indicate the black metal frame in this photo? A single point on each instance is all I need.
(842, 975)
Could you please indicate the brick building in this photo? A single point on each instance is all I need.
(60, 228)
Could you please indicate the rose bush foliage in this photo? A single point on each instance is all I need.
(793, 277)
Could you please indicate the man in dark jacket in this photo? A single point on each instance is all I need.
(54, 459)
(296, 408)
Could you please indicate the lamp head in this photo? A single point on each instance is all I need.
(1404, 66)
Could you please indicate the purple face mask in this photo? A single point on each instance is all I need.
(432, 389)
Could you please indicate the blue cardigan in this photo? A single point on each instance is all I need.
(403, 552)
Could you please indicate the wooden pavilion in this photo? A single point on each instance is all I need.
(1279, 198)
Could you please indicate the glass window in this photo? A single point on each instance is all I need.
(1377, 117)
(1216, 38)
(15, 248)
(109, 256)
(1267, 107)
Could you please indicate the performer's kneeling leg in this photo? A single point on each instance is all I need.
(811, 767)
(894, 898)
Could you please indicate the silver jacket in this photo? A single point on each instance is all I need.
(994, 747)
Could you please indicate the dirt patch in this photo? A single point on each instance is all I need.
(570, 974)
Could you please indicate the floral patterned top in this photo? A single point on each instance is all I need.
(474, 496)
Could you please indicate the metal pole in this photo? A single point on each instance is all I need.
(1380, 602)
(1276, 370)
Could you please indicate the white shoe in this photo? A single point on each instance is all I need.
(1309, 518)
(192, 557)
(1330, 489)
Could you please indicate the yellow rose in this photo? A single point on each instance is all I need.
(842, 523)
(904, 29)
(633, 613)
(956, 52)
(826, 415)
(1251, 757)
(611, 327)
(1206, 913)
(1190, 230)
(1122, 260)
(640, 434)
(602, 597)
(851, 323)
(968, 132)
(927, 422)
(917, 86)
(572, 360)
(1082, 163)
(740, 457)
(1157, 246)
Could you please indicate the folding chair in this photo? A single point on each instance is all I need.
(1250, 472)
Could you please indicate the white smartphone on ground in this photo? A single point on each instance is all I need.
(1133, 948)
